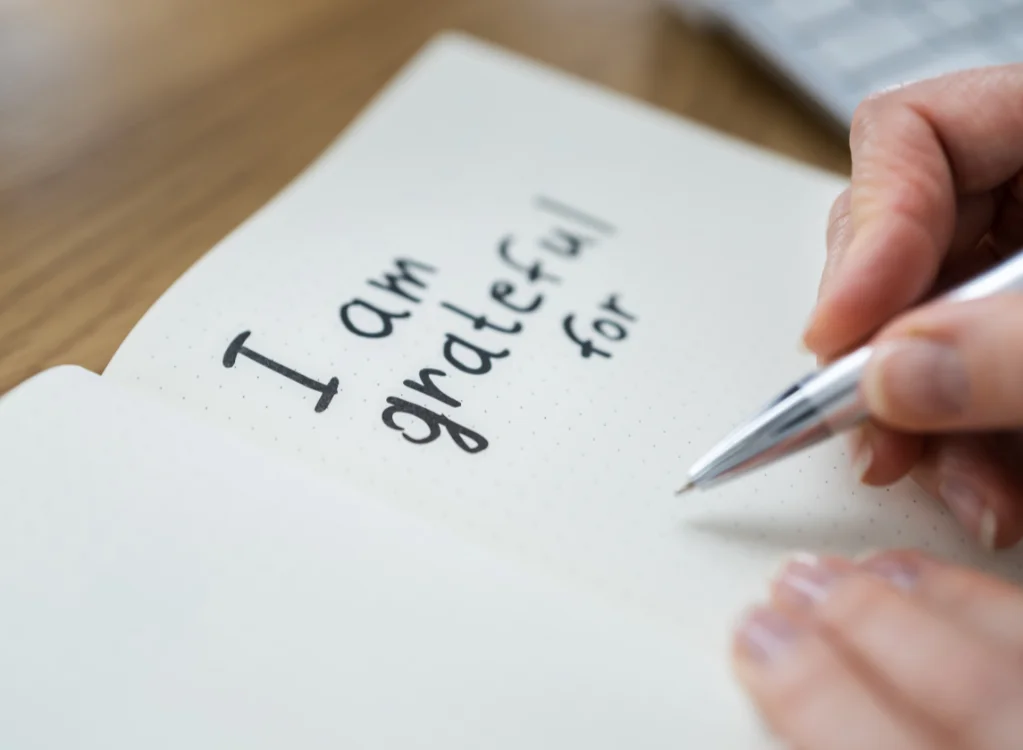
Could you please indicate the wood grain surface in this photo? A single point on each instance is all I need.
(134, 134)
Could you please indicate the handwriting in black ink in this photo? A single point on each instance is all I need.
(374, 322)
(610, 329)
(565, 211)
(394, 282)
(237, 347)
(464, 438)
(564, 244)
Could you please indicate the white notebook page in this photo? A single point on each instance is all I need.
(710, 250)
(165, 587)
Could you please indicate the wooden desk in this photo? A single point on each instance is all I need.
(134, 135)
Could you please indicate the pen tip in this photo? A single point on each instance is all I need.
(684, 489)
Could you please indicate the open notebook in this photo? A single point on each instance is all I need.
(394, 463)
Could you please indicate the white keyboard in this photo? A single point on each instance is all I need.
(839, 51)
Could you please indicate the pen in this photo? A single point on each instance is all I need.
(822, 404)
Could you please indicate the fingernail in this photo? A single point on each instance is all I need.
(765, 635)
(898, 571)
(988, 529)
(831, 264)
(926, 379)
(862, 454)
(967, 504)
(805, 580)
(808, 331)
(840, 267)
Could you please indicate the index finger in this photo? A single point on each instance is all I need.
(915, 151)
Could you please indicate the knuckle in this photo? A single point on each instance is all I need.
(883, 118)
(924, 185)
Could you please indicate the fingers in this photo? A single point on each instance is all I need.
(881, 456)
(938, 668)
(980, 480)
(810, 696)
(914, 151)
(950, 367)
(884, 654)
(975, 217)
(991, 608)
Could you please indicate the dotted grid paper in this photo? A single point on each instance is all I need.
(215, 607)
(712, 251)
(844, 50)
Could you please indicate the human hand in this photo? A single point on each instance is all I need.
(897, 652)
(936, 196)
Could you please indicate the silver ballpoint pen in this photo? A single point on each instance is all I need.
(822, 404)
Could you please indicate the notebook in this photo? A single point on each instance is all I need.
(393, 465)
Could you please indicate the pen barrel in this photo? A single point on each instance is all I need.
(809, 414)
(835, 393)
(827, 402)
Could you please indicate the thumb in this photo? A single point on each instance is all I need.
(950, 366)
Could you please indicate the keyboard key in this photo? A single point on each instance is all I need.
(860, 45)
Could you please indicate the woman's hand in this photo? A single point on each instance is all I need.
(897, 652)
(936, 196)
